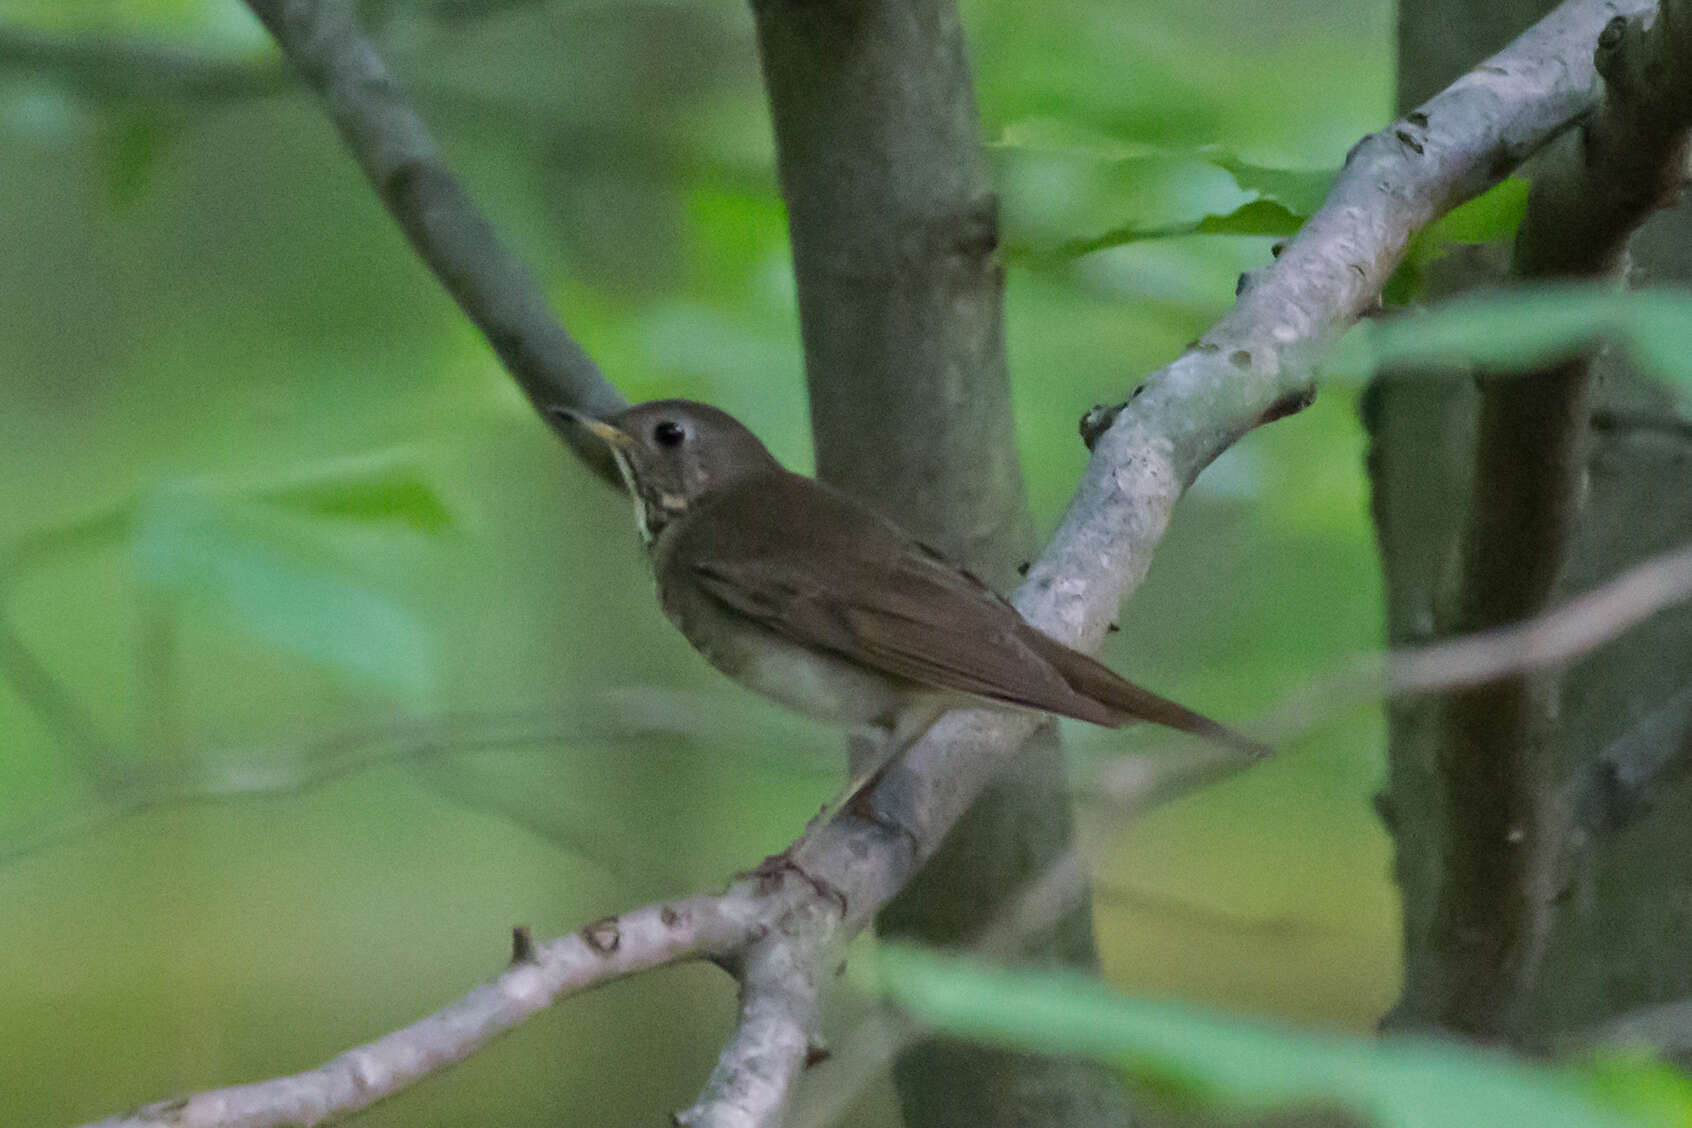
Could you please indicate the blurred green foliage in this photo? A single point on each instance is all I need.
(1190, 1056)
(321, 664)
(1068, 194)
(1529, 327)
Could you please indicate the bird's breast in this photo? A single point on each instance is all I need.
(813, 682)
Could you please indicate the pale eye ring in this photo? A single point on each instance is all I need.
(668, 433)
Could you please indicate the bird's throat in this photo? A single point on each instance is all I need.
(654, 510)
(653, 507)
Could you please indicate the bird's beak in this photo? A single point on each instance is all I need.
(605, 431)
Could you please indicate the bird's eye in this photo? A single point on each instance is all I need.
(668, 433)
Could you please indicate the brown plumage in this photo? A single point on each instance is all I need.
(814, 599)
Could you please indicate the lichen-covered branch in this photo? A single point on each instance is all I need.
(1256, 363)
(405, 165)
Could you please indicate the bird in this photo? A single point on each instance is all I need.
(814, 600)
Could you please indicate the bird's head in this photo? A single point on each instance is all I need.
(674, 454)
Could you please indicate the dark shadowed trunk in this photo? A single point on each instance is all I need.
(1541, 827)
(895, 243)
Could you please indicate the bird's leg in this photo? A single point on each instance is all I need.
(868, 754)
(871, 753)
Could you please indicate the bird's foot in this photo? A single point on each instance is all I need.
(774, 868)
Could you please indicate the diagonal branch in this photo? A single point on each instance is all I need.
(1255, 363)
(405, 165)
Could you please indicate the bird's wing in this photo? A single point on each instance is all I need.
(856, 585)
(908, 614)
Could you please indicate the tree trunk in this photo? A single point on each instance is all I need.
(1584, 802)
(895, 243)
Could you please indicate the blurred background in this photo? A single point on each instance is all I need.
(322, 665)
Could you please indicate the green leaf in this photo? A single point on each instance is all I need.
(1513, 330)
(1300, 191)
(1649, 1088)
(1058, 135)
(1491, 217)
(1068, 192)
(1239, 1064)
(373, 489)
(1656, 328)
(272, 579)
(1260, 217)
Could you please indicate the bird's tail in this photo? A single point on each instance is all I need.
(1124, 702)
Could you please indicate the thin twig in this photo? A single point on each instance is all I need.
(405, 165)
(252, 773)
(108, 68)
(1558, 636)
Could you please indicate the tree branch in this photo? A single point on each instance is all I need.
(796, 914)
(1255, 364)
(780, 997)
(1553, 638)
(107, 69)
(409, 172)
(602, 952)
(1506, 826)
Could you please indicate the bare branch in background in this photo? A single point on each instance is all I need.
(409, 172)
(256, 772)
(1133, 784)
(111, 71)
(1556, 637)
(791, 920)
(125, 69)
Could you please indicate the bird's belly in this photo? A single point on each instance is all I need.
(814, 683)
